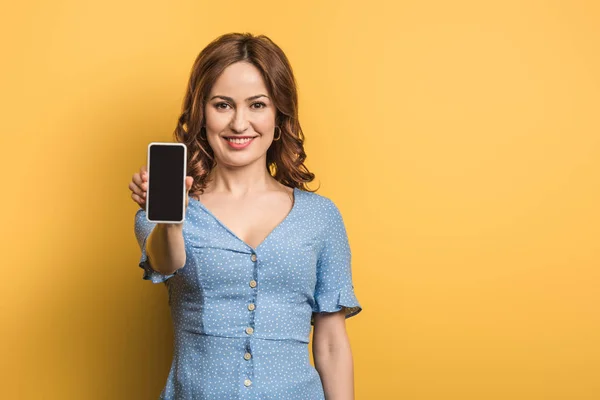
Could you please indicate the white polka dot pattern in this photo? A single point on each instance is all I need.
(242, 316)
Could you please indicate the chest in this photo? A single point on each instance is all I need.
(251, 221)
(222, 266)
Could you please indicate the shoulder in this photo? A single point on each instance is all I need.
(319, 204)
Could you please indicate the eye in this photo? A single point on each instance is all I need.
(263, 105)
(218, 105)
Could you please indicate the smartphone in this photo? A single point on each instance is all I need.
(165, 197)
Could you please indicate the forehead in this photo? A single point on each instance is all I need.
(239, 80)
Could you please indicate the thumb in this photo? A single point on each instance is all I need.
(189, 180)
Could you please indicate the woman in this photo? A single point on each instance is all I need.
(258, 253)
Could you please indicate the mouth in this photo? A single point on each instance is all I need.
(238, 139)
(239, 142)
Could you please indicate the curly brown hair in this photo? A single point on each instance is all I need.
(286, 156)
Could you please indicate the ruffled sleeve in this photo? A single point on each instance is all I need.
(143, 227)
(334, 289)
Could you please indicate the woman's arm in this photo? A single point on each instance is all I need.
(333, 356)
(165, 248)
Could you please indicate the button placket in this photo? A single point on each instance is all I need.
(249, 362)
(252, 302)
(251, 306)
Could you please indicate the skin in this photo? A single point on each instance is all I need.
(241, 192)
(248, 200)
(333, 355)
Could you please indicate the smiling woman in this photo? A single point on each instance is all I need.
(265, 258)
(242, 87)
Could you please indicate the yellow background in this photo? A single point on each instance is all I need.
(459, 139)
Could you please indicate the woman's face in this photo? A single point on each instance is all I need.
(238, 108)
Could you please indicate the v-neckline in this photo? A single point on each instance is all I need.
(254, 249)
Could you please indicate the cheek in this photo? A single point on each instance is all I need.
(215, 121)
(265, 122)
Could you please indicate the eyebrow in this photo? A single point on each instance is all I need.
(231, 100)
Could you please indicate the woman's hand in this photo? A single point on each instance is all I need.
(139, 187)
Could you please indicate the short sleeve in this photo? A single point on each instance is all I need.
(143, 227)
(334, 289)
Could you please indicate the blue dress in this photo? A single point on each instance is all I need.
(241, 315)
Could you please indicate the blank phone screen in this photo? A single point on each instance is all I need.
(166, 183)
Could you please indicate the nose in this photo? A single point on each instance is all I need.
(239, 122)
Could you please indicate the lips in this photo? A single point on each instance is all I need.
(241, 145)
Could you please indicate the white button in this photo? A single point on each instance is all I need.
(247, 382)
(249, 330)
(252, 283)
(247, 356)
(253, 257)
(251, 306)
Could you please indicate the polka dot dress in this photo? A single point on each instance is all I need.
(242, 316)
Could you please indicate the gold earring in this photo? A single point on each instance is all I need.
(279, 133)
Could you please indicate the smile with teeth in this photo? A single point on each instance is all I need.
(239, 141)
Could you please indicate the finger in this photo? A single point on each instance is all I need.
(189, 181)
(137, 179)
(140, 201)
(133, 187)
(143, 185)
(144, 173)
(136, 189)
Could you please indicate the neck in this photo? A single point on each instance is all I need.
(239, 181)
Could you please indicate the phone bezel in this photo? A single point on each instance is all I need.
(148, 196)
